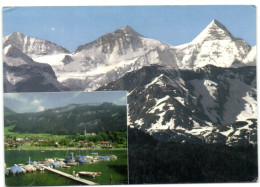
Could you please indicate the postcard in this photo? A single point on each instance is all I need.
(186, 76)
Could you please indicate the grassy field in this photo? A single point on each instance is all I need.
(7, 131)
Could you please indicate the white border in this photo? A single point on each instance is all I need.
(120, 2)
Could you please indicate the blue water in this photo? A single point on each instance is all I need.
(117, 169)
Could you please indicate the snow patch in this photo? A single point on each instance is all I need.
(211, 87)
(204, 131)
(226, 133)
(157, 107)
(157, 81)
(128, 115)
(196, 124)
(129, 93)
(6, 49)
(139, 122)
(170, 107)
(55, 60)
(158, 124)
(181, 100)
(159, 104)
(250, 108)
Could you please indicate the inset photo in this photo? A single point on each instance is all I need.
(65, 138)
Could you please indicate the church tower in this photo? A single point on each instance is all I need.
(85, 132)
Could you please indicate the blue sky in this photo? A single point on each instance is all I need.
(73, 26)
(39, 101)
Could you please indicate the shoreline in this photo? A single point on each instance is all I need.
(61, 149)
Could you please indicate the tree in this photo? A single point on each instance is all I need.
(116, 145)
(52, 143)
(64, 141)
(90, 144)
(98, 138)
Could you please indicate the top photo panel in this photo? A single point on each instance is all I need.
(85, 48)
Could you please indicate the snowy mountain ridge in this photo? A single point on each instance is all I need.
(111, 56)
(114, 54)
(32, 46)
(215, 45)
(201, 104)
(214, 31)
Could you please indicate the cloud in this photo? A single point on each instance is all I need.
(123, 99)
(36, 102)
(15, 96)
(120, 101)
(40, 108)
(24, 102)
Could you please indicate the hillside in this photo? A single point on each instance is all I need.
(155, 162)
(72, 119)
(192, 105)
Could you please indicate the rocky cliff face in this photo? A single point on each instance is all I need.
(191, 103)
(22, 74)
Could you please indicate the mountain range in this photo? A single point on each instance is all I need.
(186, 105)
(204, 90)
(70, 119)
(114, 54)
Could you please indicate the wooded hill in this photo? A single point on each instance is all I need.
(72, 119)
(155, 162)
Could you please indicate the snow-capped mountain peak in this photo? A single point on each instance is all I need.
(32, 46)
(129, 31)
(111, 56)
(127, 27)
(215, 45)
(121, 38)
(214, 31)
(16, 36)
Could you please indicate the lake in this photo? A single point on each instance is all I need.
(117, 168)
